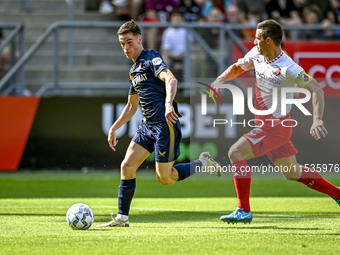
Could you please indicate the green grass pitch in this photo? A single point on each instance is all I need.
(179, 219)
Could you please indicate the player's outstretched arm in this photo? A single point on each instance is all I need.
(318, 129)
(171, 90)
(127, 113)
(230, 73)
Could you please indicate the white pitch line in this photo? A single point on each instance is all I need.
(172, 210)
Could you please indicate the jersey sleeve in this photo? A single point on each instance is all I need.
(246, 63)
(156, 63)
(132, 89)
(296, 74)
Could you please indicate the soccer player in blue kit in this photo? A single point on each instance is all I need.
(154, 86)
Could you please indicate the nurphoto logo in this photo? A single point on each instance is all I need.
(285, 97)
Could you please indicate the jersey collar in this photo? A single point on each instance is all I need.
(141, 55)
(275, 59)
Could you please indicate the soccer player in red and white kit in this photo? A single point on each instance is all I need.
(273, 69)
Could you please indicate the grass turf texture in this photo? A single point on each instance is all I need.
(180, 219)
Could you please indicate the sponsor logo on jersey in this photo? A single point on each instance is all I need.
(255, 131)
(267, 78)
(161, 154)
(277, 72)
(157, 61)
(139, 78)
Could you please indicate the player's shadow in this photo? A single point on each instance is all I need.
(254, 226)
(296, 215)
(94, 228)
(33, 214)
(165, 216)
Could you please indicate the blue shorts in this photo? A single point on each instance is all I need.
(161, 138)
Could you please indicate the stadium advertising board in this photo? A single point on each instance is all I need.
(71, 133)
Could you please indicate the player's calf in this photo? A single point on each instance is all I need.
(165, 173)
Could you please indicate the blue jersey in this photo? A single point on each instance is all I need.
(151, 90)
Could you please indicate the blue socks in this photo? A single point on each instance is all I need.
(186, 169)
(125, 194)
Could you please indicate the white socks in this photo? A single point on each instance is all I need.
(122, 217)
(204, 162)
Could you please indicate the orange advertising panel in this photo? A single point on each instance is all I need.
(16, 118)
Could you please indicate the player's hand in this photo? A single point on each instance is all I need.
(318, 129)
(170, 114)
(112, 139)
(218, 81)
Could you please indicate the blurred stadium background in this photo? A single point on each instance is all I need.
(66, 78)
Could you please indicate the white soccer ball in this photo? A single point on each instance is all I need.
(79, 216)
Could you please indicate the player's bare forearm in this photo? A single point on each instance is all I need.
(125, 116)
(317, 130)
(230, 73)
(127, 113)
(318, 100)
(170, 85)
(318, 105)
(171, 90)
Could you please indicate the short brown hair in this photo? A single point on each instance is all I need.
(130, 27)
(270, 28)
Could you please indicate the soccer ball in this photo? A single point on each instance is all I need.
(79, 216)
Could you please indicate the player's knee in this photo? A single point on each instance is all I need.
(293, 176)
(164, 181)
(234, 154)
(127, 169)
